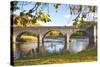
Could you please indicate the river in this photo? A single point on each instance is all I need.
(55, 45)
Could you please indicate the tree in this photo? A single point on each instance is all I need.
(27, 17)
(14, 6)
(50, 34)
(75, 24)
(36, 13)
(82, 13)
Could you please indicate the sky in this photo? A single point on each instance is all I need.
(60, 18)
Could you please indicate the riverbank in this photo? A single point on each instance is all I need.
(29, 38)
(66, 57)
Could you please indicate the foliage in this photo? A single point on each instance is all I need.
(26, 18)
(44, 17)
(56, 6)
(30, 34)
(55, 34)
(14, 6)
(81, 12)
(27, 38)
(75, 24)
(36, 13)
(79, 34)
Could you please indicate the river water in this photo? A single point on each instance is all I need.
(55, 45)
(77, 45)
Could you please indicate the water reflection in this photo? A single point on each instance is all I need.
(55, 45)
(26, 46)
(78, 44)
(25, 49)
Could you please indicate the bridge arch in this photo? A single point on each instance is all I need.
(51, 31)
(27, 33)
(23, 45)
(79, 41)
(57, 34)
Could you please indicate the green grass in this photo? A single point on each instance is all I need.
(66, 57)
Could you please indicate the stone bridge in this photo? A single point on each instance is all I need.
(41, 32)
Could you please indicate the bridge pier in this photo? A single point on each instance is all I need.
(95, 34)
(41, 50)
(40, 41)
(68, 37)
(38, 46)
(65, 46)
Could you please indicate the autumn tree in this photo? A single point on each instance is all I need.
(36, 13)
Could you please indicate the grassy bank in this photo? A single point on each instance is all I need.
(84, 56)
